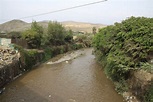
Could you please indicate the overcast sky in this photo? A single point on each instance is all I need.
(107, 12)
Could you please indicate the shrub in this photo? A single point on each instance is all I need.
(124, 46)
(28, 57)
(48, 53)
(55, 33)
(33, 36)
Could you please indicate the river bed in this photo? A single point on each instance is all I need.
(74, 77)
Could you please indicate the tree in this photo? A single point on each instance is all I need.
(33, 36)
(55, 33)
(37, 28)
(69, 36)
(94, 30)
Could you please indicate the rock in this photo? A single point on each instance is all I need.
(71, 100)
(151, 61)
(7, 55)
(22, 100)
(50, 96)
(2, 90)
(128, 97)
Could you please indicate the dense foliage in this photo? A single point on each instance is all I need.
(28, 59)
(54, 35)
(124, 46)
(33, 35)
(53, 40)
(84, 39)
(14, 34)
(57, 35)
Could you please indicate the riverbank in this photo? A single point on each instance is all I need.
(9, 65)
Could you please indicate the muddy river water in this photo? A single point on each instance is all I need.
(80, 79)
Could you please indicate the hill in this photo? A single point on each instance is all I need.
(14, 25)
(81, 26)
(18, 25)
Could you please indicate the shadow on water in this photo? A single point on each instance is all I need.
(77, 80)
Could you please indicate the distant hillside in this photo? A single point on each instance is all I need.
(18, 25)
(14, 25)
(81, 26)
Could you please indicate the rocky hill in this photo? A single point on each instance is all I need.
(18, 25)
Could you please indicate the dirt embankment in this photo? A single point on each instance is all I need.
(140, 83)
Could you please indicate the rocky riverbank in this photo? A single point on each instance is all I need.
(12, 64)
(9, 65)
(7, 55)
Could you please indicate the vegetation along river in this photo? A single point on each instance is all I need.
(73, 77)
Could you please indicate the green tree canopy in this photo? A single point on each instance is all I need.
(33, 35)
(55, 33)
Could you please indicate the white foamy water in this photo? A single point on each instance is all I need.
(67, 57)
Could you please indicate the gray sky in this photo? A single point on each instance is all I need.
(107, 12)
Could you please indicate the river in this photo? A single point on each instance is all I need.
(80, 79)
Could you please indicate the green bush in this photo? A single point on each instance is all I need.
(69, 36)
(124, 46)
(55, 34)
(28, 57)
(146, 66)
(48, 53)
(84, 39)
(121, 86)
(33, 36)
